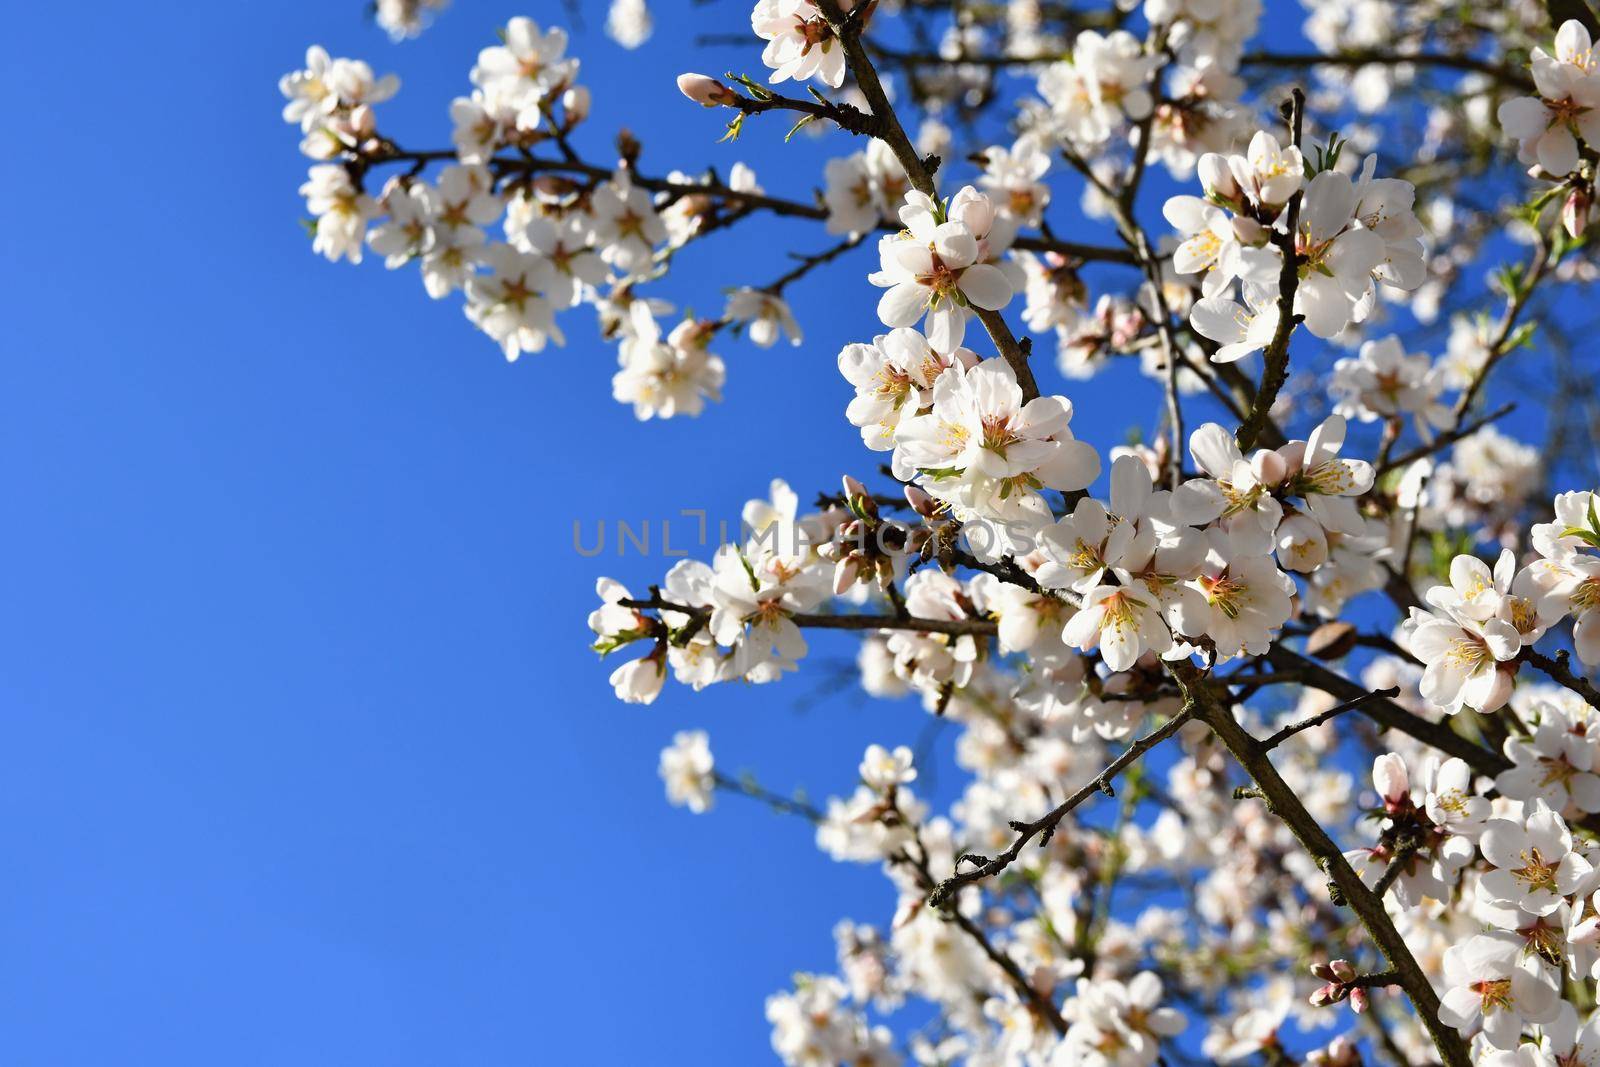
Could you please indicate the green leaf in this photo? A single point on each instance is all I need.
(734, 129)
(796, 127)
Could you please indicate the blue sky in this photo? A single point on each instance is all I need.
(303, 758)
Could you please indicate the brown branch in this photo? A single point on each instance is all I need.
(1317, 720)
(953, 627)
(1390, 715)
(1444, 440)
(1560, 670)
(1046, 825)
(847, 28)
(1346, 887)
(1383, 57)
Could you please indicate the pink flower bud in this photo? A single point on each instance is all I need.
(707, 92)
(844, 575)
(1575, 212)
(1269, 467)
(921, 502)
(1389, 777)
(1358, 1000)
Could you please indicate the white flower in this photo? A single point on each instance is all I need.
(754, 599)
(465, 200)
(639, 681)
(882, 770)
(1106, 82)
(565, 244)
(1338, 257)
(341, 209)
(1556, 766)
(1487, 983)
(800, 44)
(980, 444)
(1239, 329)
(1248, 596)
(1212, 246)
(408, 232)
(1568, 105)
(1267, 174)
(1327, 483)
(405, 18)
(1079, 547)
(687, 770)
(628, 23)
(932, 267)
(1576, 526)
(1122, 622)
(1384, 207)
(1238, 491)
(663, 379)
(1011, 176)
(894, 378)
(767, 314)
(626, 227)
(1383, 381)
(513, 303)
(864, 189)
(1117, 1024)
(1449, 800)
(527, 70)
(480, 124)
(1535, 863)
(1461, 660)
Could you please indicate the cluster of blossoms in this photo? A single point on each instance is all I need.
(406, 18)
(523, 238)
(1177, 634)
(1349, 234)
(1556, 130)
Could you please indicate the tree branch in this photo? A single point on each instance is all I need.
(1346, 886)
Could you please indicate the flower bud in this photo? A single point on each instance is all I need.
(707, 92)
(921, 502)
(1250, 232)
(1575, 212)
(1217, 178)
(1390, 778)
(1358, 1000)
(844, 574)
(1271, 468)
(575, 105)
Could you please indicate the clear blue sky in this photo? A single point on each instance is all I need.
(303, 759)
